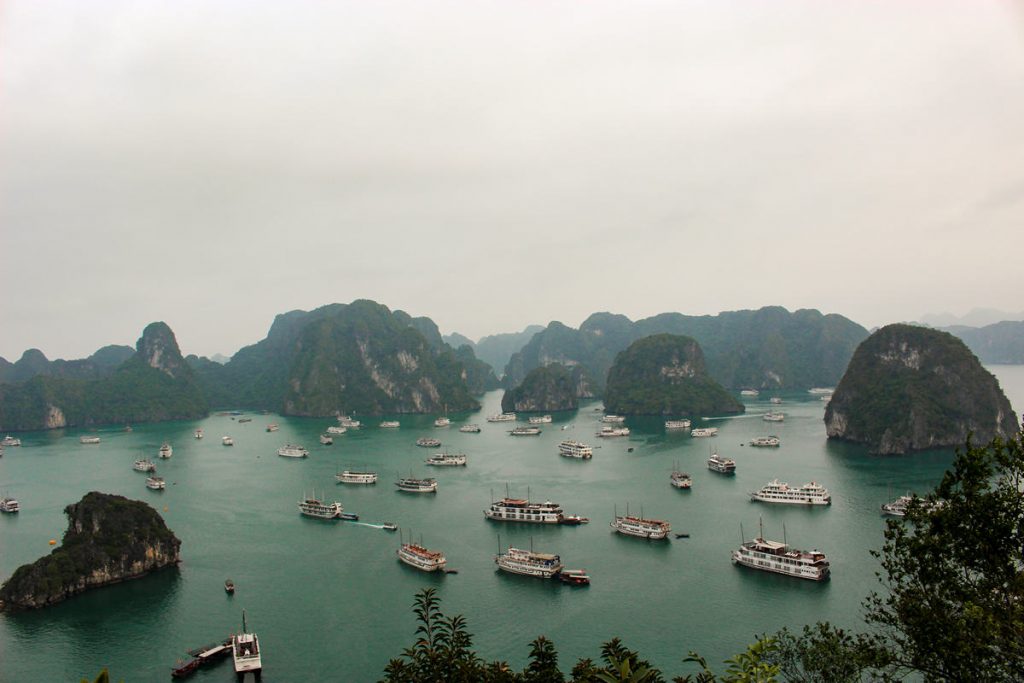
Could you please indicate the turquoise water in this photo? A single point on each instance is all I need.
(331, 602)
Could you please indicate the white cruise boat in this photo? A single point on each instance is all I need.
(411, 485)
(677, 424)
(198, 434)
(9, 505)
(575, 449)
(10, 441)
(540, 420)
(520, 510)
(390, 424)
(529, 563)
(348, 422)
(750, 392)
(88, 439)
(765, 442)
(227, 441)
(470, 429)
(772, 556)
(821, 391)
(502, 417)
(165, 450)
(326, 440)
(336, 430)
(145, 465)
(354, 477)
(653, 529)
(772, 416)
(609, 432)
(292, 451)
(245, 652)
(775, 400)
(717, 463)
(679, 479)
(704, 431)
(314, 507)
(427, 442)
(272, 427)
(419, 557)
(442, 422)
(156, 483)
(898, 507)
(781, 492)
(447, 460)
(525, 431)
(613, 419)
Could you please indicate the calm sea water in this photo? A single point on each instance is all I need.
(331, 602)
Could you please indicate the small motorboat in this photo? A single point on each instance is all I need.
(574, 577)
(389, 526)
(350, 516)
(682, 535)
(229, 587)
(573, 520)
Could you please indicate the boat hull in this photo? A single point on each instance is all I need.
(800, 572)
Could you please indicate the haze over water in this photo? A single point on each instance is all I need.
(331, 602)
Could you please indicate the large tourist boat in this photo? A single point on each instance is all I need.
(354, 477)
(336, 430)
(470, 429)
(348, 422)
(390, 424)
(156, 483)
(144, 465)
(292, 451)
(529, 563)
(525, 431)
(613, 419)
(779, 558)
(821, 391)
(314, 507)
(412, 485)
(680, 479)
(765, 441)
(447, 460)
(898, 507)
(540, 420)
(772, 416)
(575, 449)
(522, 510)
(326, 440)
(427, 442)
(165, 450)
(88, 439)
(781, 492)
(502, 417)
(609, 432)
(10, 441)
(415, 555)
(442, 422)
(717, 463)
(245, 652)
(750, 392)
(677, 424)
(9, 505)
(704, 431)
(653, 529)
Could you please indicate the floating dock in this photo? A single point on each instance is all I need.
(201, 656)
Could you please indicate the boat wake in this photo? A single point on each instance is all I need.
(372, 526)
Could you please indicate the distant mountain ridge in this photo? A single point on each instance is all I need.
(1001, 343)
(768, 348)
(496, 349)
(33, 363)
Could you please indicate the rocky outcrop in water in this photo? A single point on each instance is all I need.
(665, 374)
(549, 389)
(109, 539)
(911, 388)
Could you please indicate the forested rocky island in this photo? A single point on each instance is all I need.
(551, 388)
(665, 374)
(109, 539)
(911, 388)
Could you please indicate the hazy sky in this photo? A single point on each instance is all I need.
(495, 164)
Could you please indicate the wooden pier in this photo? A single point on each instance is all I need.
(201, 656)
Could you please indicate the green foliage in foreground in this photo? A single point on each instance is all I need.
(953, 609)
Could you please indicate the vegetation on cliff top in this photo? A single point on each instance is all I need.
(664, 374)
(910, 387)
(106, 533)
(550, 388)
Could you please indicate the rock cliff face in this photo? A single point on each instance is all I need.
(109, 539)
(549, 389)
(158, 349)
(665, 374)
(911, 388)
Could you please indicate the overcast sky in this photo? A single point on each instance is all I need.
(495, 164)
